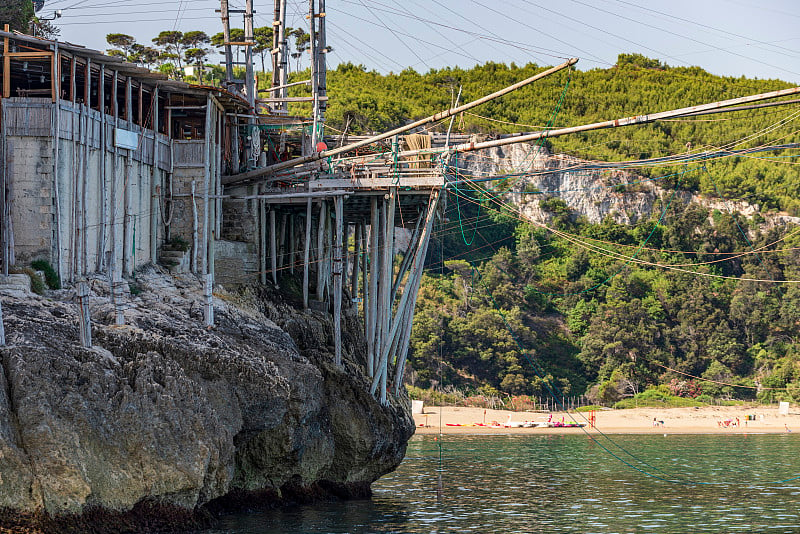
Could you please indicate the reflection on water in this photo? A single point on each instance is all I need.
(567, 484)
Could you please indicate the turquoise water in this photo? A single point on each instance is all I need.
(567, 484)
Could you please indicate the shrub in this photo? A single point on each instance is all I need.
(51, 277)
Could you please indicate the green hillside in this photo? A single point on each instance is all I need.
(580, 319)
(367, 101)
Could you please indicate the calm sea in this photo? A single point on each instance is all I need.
(731, 483)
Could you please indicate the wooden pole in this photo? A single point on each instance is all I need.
(195, 238)
(226, 33)
(261, 217)
(292, 242)
(345, 254)
(627, 121)
(372, 290)
(306, 252)
(406, 263)
(338, 204)
(85, 317)
(411, 289)
(273, 255)
(2, 328)
(386, 290)
(386, 135)
(206, 182)
(323, 215)
(282, 240)
(357, 233)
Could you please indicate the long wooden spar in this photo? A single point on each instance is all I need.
(627, 121)
(271, 169)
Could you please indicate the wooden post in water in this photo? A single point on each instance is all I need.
(338, 203)
(306, 252)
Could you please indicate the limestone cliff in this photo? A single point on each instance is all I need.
(166, 415)
(590, 193)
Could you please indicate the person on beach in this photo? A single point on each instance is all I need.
(786, 427)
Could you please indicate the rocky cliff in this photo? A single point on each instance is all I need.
(590, 193)
(163, 419)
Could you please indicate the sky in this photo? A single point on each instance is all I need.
(754, 38)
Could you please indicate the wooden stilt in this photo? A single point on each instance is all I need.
(409, 293)
(385, 291)
(372, 289)
(292, 242)
(346, 256)
(306, 252)
(82, 294)
(338, 204)
(261, 219)
(323, 216)
(406, 263)
(273, 247)
(357, 232)
(282, 240)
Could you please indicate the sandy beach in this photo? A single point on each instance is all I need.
(705, 420)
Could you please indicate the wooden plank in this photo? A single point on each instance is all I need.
(6, 66)
(273, 247)
(376, 183)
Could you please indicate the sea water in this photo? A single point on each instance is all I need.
(554, 483)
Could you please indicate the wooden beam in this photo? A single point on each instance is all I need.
(28, 55)
(273, 248)
(338, 204)
(55, 70)
(6, 66)
(306, 252)
(323, 216)
(372, 289)
(435, 180)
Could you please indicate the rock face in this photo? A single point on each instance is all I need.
(590, 193)
(165, 411)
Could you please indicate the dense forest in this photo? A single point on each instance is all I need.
(522, 307)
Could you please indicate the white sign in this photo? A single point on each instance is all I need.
(783, 408)
(126, 139)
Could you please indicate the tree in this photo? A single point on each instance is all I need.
(264, 38)
(196, 53)
(172, 46)
(302, 42)
(123, 45)
(17, 14)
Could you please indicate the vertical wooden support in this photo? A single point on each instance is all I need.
(406, 263)
(381, 284)
(264, 239)
(206, 180)
(2, 328)
(195, 224)
(154, 187)
(292, 242)
(357, 233)
(73, 70)
(409, 296)
(345, 255)
(337, 280)
(85, 317)
(208, 293)
(282, 240)
(101, 230)
(385, 291)
(323, 216)
(372, 290)
(6, 65)
(306, 252)
(56, 129)
(273, 256)
(112, 197)
(4, 237)
(127, 230)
